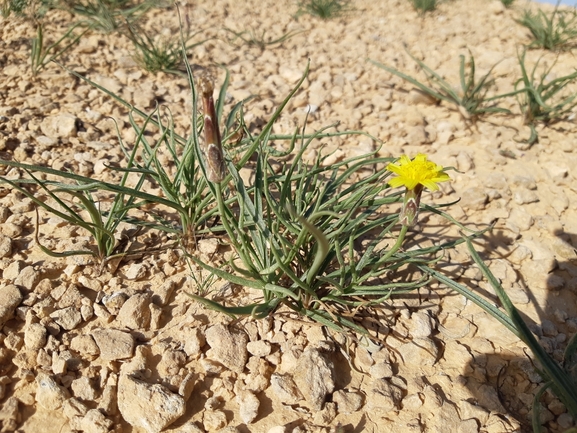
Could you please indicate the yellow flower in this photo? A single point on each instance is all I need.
(418, 171)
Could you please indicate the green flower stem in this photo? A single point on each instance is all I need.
(397, 245)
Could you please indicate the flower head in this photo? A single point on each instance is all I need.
(418, 171)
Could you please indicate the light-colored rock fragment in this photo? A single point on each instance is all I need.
(113, 344)
(49, 394)
(214, 420)
(314, 376)
(59, 126)
(10, 298)
(474, 198)
(285, 389)
(10, 417)
(420, 325)
(347, 401)
(69, 318)
(420, 351)
(152, 407)
(5, 246)
(248, 406)
(227, 346)
(35, 336)
(134, 313)
(259, 348)
(27, 278)
(382, 396)
(83, 389)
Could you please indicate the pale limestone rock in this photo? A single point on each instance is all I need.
(62, 125)
(420, 351)
(193, 340)
(248, 406)
(214, 420)
(382, 396)
(152, 407)
(136, 271)
(114, 302)
(5, 246)
(314, 376)
(420, 325)
(285, 389)
(381, 370)
(10, 415)
(10, 298)
(27, 278)
(347, 401)
(474, 198)
(83, 388)
(525, 196)
(69, 318)
(326, 415)
(84, 345)
(259, 348)
(465, 162)
(49, 394)
(134, 313)
(35, 336)
(113, 344)
(227, 346)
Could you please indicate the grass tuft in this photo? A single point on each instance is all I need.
(423, 6)
(325, 9)
(555, 31)
(472, 99)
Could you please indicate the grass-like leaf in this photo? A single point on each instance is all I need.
(555, 31)
(472, 97)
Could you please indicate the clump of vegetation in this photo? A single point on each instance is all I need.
(507, 3)
(42, 54)
(472, 99)
(555, 31)
(424, 5)
(325, 9)
(542, 99)
(254, 39)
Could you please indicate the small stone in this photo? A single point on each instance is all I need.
(114, 344)
(35, 336)
(248, 406)
(151, 407)
(27, 278)
(69, 318)
(259, 348)
(564, 250)
(285, 389)
(114, 302)
(227, 346)
(49, 394)
(136, 271)
(381, 370)
(347, 401)
(83, 389)
(314, 377)
(525, 196)
(420, 325)
(382, 396)
(474, 198)
(60, 126)
(520, 218)
(214, 420)
(134, 313)
(5, 246)
(420, 351)
(10, 415)
(10, 298)
(95, 422)
(465, 162)
(186, 386)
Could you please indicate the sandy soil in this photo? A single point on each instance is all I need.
(126, 350)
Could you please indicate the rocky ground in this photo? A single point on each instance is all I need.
(126, 350)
